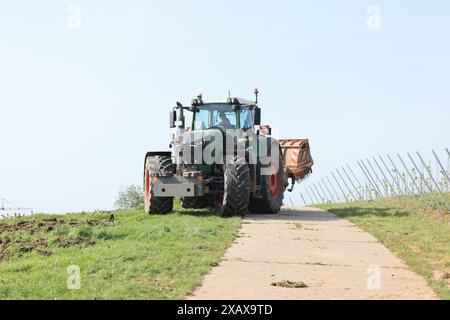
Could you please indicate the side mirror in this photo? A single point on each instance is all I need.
(257, 121)
(172, 118)
(265, 130)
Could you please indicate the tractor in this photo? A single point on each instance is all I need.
(225, 159)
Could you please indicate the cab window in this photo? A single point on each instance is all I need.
(246, 117)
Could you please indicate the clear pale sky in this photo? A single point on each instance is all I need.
(80, 107)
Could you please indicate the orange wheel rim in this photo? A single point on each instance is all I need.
(274, 183)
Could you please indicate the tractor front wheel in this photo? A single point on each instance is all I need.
(236, 197)
(196, 203)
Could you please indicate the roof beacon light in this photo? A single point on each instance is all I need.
(256, 92)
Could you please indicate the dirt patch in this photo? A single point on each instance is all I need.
(32, 226)
(51, 224)
(290, 284)
(17, 246)
(5, 253)
(70, 242)
(8, 246)
(35, 244)
(442, 275)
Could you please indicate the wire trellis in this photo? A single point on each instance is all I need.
(408, 177)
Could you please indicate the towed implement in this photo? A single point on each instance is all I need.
(225, 159)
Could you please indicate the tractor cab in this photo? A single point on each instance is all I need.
(232, 114)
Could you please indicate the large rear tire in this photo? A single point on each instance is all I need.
(154, 165)
(235, 200)
(272, 191)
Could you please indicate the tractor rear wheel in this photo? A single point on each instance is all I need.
(154, 165)
(236, 197)
(196, 203)
(272, 191)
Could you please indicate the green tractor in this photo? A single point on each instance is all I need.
(225, 160)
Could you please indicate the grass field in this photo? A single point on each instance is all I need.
(129, 255)
(420, 237)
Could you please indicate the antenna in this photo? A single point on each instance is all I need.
(229, 94)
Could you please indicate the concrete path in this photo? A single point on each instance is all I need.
(333, 257)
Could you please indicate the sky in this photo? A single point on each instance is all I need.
(82, 100)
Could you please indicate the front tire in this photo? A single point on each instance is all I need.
(196, 203)
(235, 200)
(154, 165)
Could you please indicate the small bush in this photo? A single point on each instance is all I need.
(130, 198)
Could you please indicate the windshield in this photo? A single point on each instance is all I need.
(211, 116)
(222, 116)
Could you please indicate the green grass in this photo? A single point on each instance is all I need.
(135, 257)
(419, 237)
